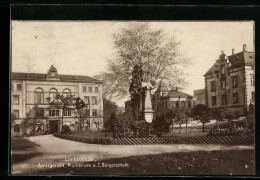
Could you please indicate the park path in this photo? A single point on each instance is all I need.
(54, 150)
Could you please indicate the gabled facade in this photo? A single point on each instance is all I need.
(230, 83)
(31, 91)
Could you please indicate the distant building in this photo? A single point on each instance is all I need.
(30, 93)
(200, 96)
(230, 82)
(166, 98)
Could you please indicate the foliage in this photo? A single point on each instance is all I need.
(109, 108)
(200, 110)
(127, 129)
(232, 128)
(136, 91)
(161, 125)
(151, 50)
(65, 129)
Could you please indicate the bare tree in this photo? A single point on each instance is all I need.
(152, 50)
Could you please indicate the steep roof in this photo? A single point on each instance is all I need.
(43, 77)
(243, 58)
(176, 94)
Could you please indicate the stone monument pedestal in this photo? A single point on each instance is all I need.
(148, 110)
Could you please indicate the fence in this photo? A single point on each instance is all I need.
(227, 140)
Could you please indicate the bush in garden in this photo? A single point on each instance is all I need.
(161, 125)
(65, 129)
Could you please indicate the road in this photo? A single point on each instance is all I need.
(54, 150)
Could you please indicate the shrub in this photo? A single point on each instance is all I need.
(65, 129)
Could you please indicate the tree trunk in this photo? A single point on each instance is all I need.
(62, 119)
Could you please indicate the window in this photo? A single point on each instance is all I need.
(213, 86)
(252, 79)
(86, 99)
(214, 100)
(96, 89)
(87, 112)
(16, 113)
(66, 93)
(16, 128)
(235, 98)
(53, 94)
(54, 112)
(177, 104)
(253, 96)
(183, 104)
(234, 81)
(94, 100)
(84, 88)
(39, 112)
(89, 89)
(94, 112)
(189, 104)
(223, 84)
(18, 86)
(15, 99)
(222, 69)
(224, 99)
(67, 112)
(38, 96)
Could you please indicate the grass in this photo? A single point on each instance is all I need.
(233, 162)
(21, 143)
(19, 150)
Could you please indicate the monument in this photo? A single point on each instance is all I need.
(147, 110)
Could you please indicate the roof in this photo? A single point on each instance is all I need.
(43, 77)
(174, 93)
(243, 58)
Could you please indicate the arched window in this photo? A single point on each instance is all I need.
(66, 93)
(38, 94)
(53, 93)
(189, 104)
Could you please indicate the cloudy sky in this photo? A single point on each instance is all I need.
(84, 47)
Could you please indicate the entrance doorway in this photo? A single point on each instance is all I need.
(54, 126)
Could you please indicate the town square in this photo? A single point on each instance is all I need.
(114, 97)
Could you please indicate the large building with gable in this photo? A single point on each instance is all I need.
(30, 97)
(230, 83)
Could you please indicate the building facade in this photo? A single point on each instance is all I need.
(166, 98)
(200, 95)
(230, 83)
(31, 95)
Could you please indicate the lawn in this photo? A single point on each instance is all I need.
(21, 143)
(233, 162)
(20, 150)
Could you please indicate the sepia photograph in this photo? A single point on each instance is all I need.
(101, 97)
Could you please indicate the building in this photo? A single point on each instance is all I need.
(230, 83)
(166, 98)
(200, 95)
(30, 97)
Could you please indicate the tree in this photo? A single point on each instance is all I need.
(109, 108)
(75, 104)
(136, 91)
(139, 46)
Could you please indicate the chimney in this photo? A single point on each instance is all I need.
(233, 51)
(222, 52)
(244, 47)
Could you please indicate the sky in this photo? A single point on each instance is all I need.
(85, 47)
